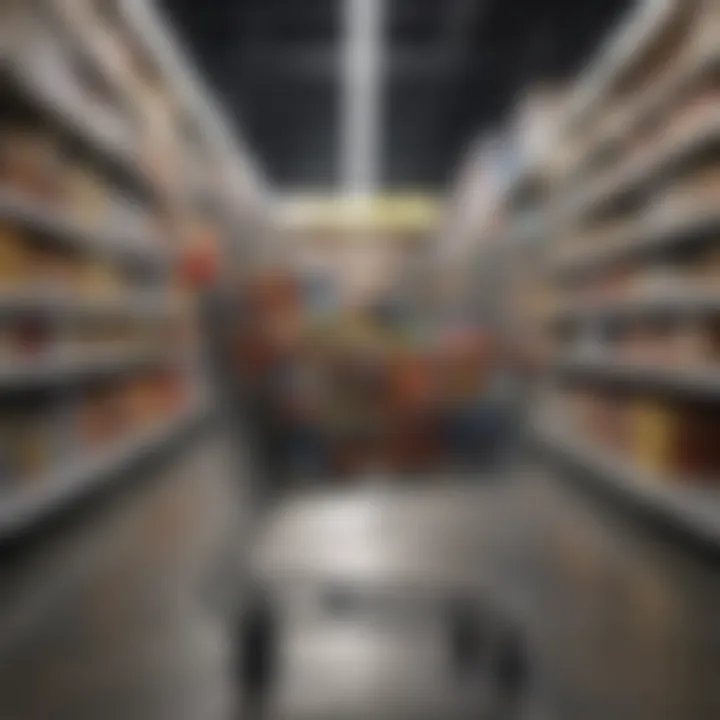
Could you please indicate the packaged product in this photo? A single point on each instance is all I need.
(16, 258)
(694, 344)
(88, 199)
(54, 272)
(656, 426)
(29, 337)
(100, 419)
(99, 280)
(30, 163)
(704, 268)
(698, 451)
(611, 420)
(28, 445)
(677, 441)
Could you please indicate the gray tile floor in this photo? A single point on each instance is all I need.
(124, 613)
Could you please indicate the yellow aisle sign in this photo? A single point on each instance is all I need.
(383, 213)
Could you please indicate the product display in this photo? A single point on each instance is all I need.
(666, 440)
(99, 344)
(634, 264)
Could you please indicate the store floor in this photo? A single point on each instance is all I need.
(124, 612)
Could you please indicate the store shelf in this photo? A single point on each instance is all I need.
(73, 22)
(61, 369)
(48, 222)
(699, 63)
(658, 233)
(104, 121)
(673, 303)
(59, 305)
(624, 48)
(684, 504)
(84, 125)
(635, 176)
(702, 382)
(25, 508)
(629, 260)
(244, 185)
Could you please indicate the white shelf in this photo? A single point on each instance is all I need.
(59, 368)
(625, 46)
(82, 33)
(658, 232)
(244, 186)
(703, 382)
(22, 509)
(651, 162)
(686, 504)
(659, 95)
(84, 124)
(689, 302)
(52, 223)
(63, 305)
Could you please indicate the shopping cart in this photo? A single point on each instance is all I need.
(328, 632)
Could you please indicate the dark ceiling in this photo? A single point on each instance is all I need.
(454, 67)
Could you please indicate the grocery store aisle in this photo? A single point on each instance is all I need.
(123, 617)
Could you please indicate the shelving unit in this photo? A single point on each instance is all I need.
(631, 269)
(609, 235)
(679, 302)
(51, 223)
(67, 485)
(62, 305)
(57, 369)
(113, 163)
(688, 506)
(623, 50)
(702, 382)
(654, 234)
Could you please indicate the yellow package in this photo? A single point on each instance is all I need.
(15, 258)
(655, 432)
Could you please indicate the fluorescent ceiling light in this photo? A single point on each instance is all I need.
(362, 96)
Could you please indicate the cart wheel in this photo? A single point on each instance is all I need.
(467, 637)
(257, 651)
(511, 667)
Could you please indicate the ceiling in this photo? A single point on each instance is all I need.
(454, 67)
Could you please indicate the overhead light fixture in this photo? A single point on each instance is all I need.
(361, 92)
